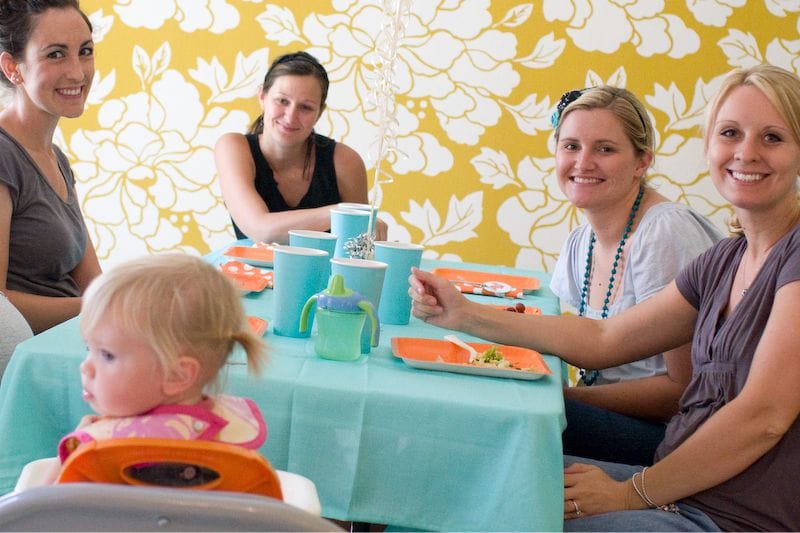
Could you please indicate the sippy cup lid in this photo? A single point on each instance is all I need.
(339, 298)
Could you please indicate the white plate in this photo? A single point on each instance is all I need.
(474, 370)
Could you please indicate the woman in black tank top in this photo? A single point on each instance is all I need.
(282, 175)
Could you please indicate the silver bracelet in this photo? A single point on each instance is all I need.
(669, 507)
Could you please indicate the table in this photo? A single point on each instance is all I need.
(384, 442)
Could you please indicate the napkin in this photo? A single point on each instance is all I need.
(236, 269)
(259, 325)
(473, 288)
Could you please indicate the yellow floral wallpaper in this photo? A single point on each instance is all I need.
(476, 83)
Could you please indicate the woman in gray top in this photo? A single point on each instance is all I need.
(46, 256)
(730, 456)
(634, 243)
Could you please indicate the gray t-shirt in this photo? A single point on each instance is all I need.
(668, 237)
(765, 496)
(47, 236)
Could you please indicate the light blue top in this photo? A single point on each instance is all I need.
(668, 237)
(382, 441)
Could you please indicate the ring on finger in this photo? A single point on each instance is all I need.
(578, 511)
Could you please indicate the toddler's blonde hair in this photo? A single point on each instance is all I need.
(179, 305)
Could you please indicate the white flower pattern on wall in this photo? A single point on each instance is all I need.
(606, 25)
(216, 16)
(474, 171)
(459, 71)
(149, 175)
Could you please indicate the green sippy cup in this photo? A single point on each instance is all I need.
(341, 314)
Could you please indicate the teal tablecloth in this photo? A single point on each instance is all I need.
(384, 443)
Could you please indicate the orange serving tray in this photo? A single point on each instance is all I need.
(436, 354)
(252, 255)
(473, 276)
(529, 309)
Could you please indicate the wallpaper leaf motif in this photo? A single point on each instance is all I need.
(741, 49)
(278, 22)
(531, 116)
(101, 25)
(545, 53)
(102, 86)
(247, 75)
(516, 16)
(785, 53)
(463, 216)
(494, 168)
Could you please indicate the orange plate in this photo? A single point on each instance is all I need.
(256, 256)
(248, 283)
(259, 325)
(529, 309)
(474, 276)
(435, 354)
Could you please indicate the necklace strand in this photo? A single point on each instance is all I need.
(589, 377)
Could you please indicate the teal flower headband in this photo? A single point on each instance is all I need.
(566, 99)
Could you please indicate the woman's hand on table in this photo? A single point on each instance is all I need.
(590, 491)
(435, 300)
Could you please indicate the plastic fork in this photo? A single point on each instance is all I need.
(473, 353)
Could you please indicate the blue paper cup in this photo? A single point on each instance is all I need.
(355, 206)
(395, 301)
(299, 273)
(365, 277)
(320, 240)
(347, 224)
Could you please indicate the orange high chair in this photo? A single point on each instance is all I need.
(181, 464)
(190, 464)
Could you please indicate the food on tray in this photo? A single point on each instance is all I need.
(491, 357)
(519, 307)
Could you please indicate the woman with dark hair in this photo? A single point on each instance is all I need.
(282, 175)
(46, 256)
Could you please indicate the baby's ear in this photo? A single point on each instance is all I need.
(181, 376)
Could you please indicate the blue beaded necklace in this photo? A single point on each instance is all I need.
(589, 377)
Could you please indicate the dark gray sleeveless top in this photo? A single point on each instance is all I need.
(322, 191)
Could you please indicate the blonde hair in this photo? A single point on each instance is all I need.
(779, 86)
(180, 306)
(625, 106)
